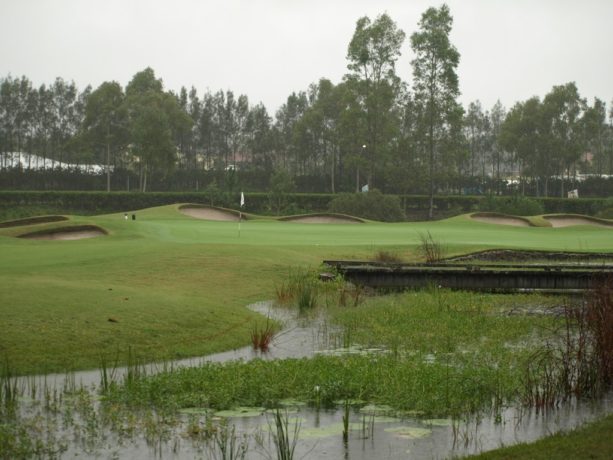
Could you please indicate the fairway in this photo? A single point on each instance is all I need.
(167, 285)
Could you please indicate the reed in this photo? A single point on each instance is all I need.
(262, 336)
(284, 436)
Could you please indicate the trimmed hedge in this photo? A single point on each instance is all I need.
(16, 204)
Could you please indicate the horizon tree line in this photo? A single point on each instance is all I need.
(371, 128)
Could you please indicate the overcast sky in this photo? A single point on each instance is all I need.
(510, 49)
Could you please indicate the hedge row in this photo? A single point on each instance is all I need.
(22, 203)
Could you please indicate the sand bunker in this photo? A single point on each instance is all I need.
(324, 219)
(210, 214)
(32, 221)
(567, 221)
(501, 220)
(66, 233)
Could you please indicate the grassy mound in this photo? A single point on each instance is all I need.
(32, 221)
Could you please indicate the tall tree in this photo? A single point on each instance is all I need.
(156, 121)
(497, 115)
(595, 133)
(105, 123)
(372, 55)
(519, 134)
(562, 134)
(435, 84)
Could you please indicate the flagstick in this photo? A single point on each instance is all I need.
(240, 217)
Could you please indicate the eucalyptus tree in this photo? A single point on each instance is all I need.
(286, 119)
(156, 121)
(435, 85)
(595, 133)
(372, 54)
(497, 115)
(562, 136)
(238, 112)
(193, 107)
(205, 126)
(331, 102)
(9, 115)
(260, 138)
(478, 135)
(520, 135)
(64, 98)
(16, 115)
(44, 122)
(106, 123)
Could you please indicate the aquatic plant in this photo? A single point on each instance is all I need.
(285, 438)
(262, 336)
(578, 360)
(301, 288)
(227, 444)
(8, 390)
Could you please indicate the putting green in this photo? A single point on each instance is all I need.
(168, 286)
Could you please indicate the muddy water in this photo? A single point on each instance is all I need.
(90, 433)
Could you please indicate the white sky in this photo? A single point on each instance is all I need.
(510, 49)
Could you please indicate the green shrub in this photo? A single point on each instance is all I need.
(372, 205)
(516, 205)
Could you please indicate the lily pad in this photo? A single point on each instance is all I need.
(377, 409)
(240, 412)
(409, 432)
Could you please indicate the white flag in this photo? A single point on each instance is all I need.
(242, 200)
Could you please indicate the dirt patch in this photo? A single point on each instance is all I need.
(501, 219)
(323, 219)
(207, 213)
(32, 221)
(567, 221)
(66, 233)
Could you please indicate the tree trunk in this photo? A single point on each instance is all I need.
(431, 155)
(332, 171)
(144, 179)
(108, 167)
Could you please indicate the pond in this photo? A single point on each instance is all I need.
(66, 414)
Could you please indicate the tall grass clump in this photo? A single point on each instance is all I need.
(301, 289)
(284, 436)
(261, 336)
(8, 390)
(578, 362)
(432, 250)
(227, 444)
